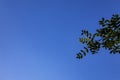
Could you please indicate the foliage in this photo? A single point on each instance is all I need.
(107, 37)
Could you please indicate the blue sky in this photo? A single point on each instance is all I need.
(39, 40)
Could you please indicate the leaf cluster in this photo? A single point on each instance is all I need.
(107, 37)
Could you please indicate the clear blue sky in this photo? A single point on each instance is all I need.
(39, 40)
